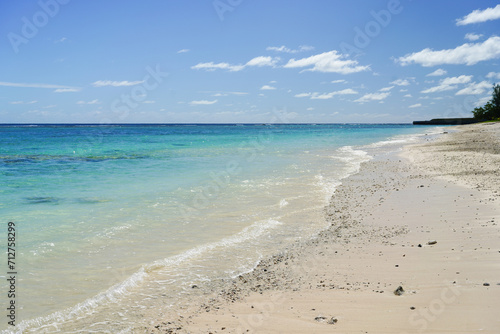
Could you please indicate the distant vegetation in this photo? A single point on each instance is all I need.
(491, 110)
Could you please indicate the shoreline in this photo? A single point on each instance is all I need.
(382, 221)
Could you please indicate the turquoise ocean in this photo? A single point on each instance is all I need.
(115, 222)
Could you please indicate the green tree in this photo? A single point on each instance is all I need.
(491, 109)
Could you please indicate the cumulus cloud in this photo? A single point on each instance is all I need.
(415, 105)
(437, 73)
(262, 61)
(257, 61)
(472, 36)
(328, 62)
(105, 83)
(202, 102)
(449, 84)
(326, 96)
(475, 88)
(339, 81)
(373, 97)
(478, 16)
(267, 87)
(468, 54)
(493, 75)
(401, 82)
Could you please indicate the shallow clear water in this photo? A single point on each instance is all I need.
(115, 220)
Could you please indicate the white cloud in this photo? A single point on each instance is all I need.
(339, 81)
(326, 96)
(472, 36)
(105, 83)
(67, 90)
(373, 97)
(310, 109)
(219, 66)
(37, 85)
(202, 102)
(89, 102)
(257, 61)
(347, 91)
(482, 101)
(22, 102)
(183, 51)
(468, 54)
(493, 75)
(149, 102)
(386, 89)
(267, 87)
(218, 94)
(408, 95)
(61, 40)
(262, 61)
(401, 82)
(329, 62)
(475, 88)
(287, 50)
(437, 73)
(415, 105)
(478, 16)
(449, 84)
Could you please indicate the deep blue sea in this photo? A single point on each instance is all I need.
(114, 221)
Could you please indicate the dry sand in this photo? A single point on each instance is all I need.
(382, 220)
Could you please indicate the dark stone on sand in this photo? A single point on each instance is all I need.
(332, 321)
(432, 242)
(320, 319)
(194, 287)
(486, 284)
(412, 308)
(399, 291)
(419, 245)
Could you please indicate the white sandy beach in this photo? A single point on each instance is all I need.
(383, 223)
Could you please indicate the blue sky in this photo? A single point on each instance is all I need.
(173, 61)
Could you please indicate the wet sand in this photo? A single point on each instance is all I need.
(424, 222)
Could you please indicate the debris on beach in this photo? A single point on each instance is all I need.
(332, 320)
(432, 242)
(399, 291)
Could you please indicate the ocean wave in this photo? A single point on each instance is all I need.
(114, 294)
